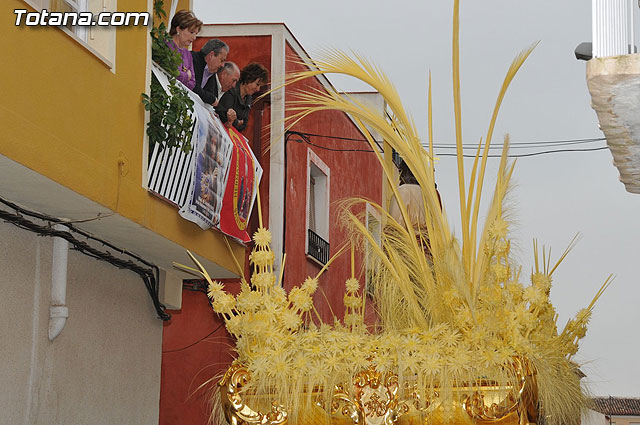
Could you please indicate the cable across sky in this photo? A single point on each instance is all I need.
(552, 145)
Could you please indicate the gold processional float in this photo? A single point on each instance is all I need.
(458, 338)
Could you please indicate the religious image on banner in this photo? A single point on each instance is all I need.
(242, 186)
(211, 164)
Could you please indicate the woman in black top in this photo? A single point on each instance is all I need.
(240, 98)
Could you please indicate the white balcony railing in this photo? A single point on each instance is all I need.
(196, 182)
(612, 27)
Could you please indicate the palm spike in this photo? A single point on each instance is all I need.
(200, 267)
(284, 257)
(188, 269)
(472, 179)
(511, 73)
(430, 128)
(233, 257)
(260, 224)
(571, 245)
(457, 108)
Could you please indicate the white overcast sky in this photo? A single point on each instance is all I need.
(554, 196)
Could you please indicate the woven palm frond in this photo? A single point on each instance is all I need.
(451, 313)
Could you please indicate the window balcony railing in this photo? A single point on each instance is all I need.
(612, 27)
(169, 172)
(317, 247)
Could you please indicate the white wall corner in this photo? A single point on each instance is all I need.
(147, 114)
(170, 290)
(277, 153)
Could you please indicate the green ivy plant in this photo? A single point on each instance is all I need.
(170, 124)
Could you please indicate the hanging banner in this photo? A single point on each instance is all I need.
(210, 169)
(242, 187)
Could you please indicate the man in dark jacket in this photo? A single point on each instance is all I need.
(206, 63)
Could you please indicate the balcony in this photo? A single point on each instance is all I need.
(196, 182)
(168, 172)
(317, 247)
(613, 79)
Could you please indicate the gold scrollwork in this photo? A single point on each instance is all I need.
(236, 410)
(373, 399)
(376, 405)
(421, 403)
(476, 407)
(377, 396)
(503, 400)
(342, 403)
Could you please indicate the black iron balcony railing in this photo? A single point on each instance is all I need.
(317, 247)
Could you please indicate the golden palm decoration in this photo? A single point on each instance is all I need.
(459, 336)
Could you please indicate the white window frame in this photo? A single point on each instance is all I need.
(321, 173)
(79, 6)
(82, 35)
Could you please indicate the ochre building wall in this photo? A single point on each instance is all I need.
(66, 115)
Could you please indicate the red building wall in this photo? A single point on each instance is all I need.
(187, 363)
(195, 348)
(351, 174)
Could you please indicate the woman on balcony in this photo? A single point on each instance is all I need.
(239, 98)
(184, 28)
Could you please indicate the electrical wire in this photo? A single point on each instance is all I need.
(196, 342)
(522, 155)
(527, 145)
(325, 136)
(538, 143)
(149, 274)
(308, 142)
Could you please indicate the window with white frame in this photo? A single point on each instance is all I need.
(73, 6)
(317, 217)
(99, 40)
(373, 224)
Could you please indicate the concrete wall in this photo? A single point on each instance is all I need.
(104, 368)
(614, 84)
(591, 417)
